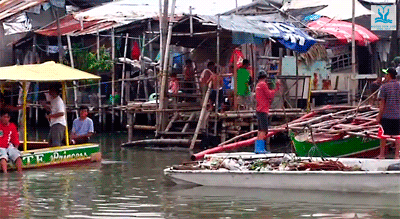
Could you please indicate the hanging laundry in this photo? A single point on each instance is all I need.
(135, 54)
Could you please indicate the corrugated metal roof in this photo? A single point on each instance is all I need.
(11, 7)
(70, 26)
(113, 14)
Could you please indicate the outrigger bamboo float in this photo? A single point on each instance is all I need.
(331, 131)
(349, 132)
(39, 154)
(288, 172)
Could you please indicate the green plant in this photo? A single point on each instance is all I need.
(87, 61)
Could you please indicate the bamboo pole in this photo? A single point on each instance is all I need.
(149, 28)
(161, 20)
(99, 83)
(171, 122)
(159, 142)
(112, 77)
(297, 79)
(186, 126)
(123, 76)
(163, 100)
(25, 91)
(191, 21)
(71, 57)
(239, 137)
(145, 82)
(130, 126)
(144, 127)
(201, 118)
(353, 51)
(37, 84)
(217, 72)
(60, 48)
(64, 95)
(251, 115)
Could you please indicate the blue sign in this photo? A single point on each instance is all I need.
(383, 17)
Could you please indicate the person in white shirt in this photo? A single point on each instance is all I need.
(56, 117)
(82, 127)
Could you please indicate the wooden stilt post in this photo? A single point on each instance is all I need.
(151, 37)
(99, 83)
(123, 76)
(60, 48)
(129, 119)
(217, 80)
(145, 82)
(191, 21)
(201, 118)
(71, 57)
(163, 99)
(37, 84)
(112, 78)
(297, 79)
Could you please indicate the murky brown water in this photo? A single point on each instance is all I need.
(129, 183)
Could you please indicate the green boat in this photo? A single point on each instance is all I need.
(39, 154)
(58, 156)
(335, 146)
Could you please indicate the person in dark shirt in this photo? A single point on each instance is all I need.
(389, 110)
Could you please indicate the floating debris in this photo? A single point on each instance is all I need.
(267, 164)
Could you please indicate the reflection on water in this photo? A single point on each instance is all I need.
(129, 183)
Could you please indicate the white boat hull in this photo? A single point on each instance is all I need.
(376, 180)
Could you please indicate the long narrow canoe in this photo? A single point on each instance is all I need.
(371, 175)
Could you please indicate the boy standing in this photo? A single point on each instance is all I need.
(264, 97)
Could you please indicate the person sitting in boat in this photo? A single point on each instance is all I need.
(9, 142)
(82, 127)
(264, 97)
(389, 110)
(56, 117)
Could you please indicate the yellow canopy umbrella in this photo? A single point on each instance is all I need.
(48, 71)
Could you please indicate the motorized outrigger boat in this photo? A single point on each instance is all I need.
(39, 154)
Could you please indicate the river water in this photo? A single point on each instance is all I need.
(129, 183)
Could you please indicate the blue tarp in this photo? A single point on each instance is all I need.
(254, 29)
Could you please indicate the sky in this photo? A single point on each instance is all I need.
(203, 7)
(209, 7)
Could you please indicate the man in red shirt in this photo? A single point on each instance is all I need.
(264, 97)
(9, 142)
